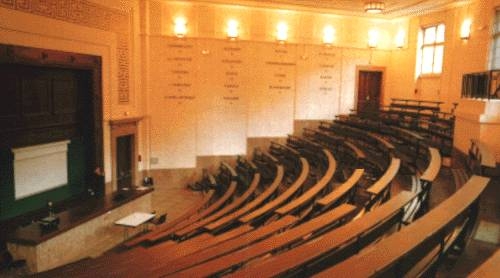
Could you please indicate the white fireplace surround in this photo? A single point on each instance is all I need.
(40, 168)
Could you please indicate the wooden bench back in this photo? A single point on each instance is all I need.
(333, 246)
(396, 255)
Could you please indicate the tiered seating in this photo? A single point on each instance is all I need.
(333, 246)
(319, 201)
(224, 190)
(299, 171)
(248, 180)
(423, 117)
(272, 175)
(207, 179)
(226, 187)
(419, 247)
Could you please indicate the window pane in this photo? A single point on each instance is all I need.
(440, 33)
(497, 21)
(438, 59)
(427, 56)
(430, 35)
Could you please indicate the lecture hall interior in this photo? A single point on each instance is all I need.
(248, 138)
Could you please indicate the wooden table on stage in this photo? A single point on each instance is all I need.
(134, 220)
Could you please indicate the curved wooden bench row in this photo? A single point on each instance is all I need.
(380, 191)
(288, 238)
(411, 144)
(217, 204)
(245, 240)
(289, 192)
(342, 193)
(350, 128)
(157, 257)
(349, 155)
(333, 246)
(207, 182)
(237, 202)
(287, 156)
(421, 204)
(259, 199)
(302, 200)
(427, 238)
(380, 149)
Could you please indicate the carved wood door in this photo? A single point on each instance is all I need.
(369, 90)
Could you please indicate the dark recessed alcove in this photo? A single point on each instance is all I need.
(49, 96)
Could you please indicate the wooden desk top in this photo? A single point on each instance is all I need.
(314, 190)
(68, 219)
(390, 249)
(223, 248)
(432, 170)
(387, 178)
(201, 214)
(280, 171)
(281, 240)
(359, 153)
(340, 191)
(408, 132)
(225, 210)
(332, 240)
(282, 197)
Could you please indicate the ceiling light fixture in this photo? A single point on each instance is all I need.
(374, 7)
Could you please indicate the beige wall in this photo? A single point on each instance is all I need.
(208, 118)
(475, 119)
(203, 104)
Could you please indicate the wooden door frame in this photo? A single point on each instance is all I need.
(356, 85)
(124, 127)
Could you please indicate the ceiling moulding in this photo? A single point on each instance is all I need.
(393, 8)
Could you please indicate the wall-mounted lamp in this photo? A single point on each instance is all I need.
(465, 29)
(400, 39)
(328, 35)
(282, 32)
(372, 38)
(180, 27)
(232, 29)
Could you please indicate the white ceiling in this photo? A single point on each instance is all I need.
(393, 8)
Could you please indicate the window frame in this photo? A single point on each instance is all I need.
(420, 48)
(495, 34)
